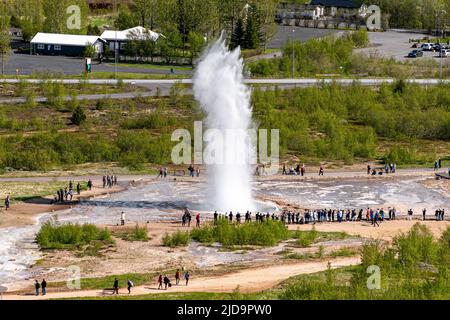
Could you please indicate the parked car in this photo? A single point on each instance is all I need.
(427, 47)
(444, 53)
(439, 46)
(415, 54)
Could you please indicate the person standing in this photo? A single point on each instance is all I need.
(122, 218)
(90, 185)
(197, 219)
(44, 287)
(186, 277)
(189, 218)
(160, 282)
(104, 182)
(424, 212)
(78, 188)
(7, 202)
(321, 171)
(116, 286)
(177, 277)
(37, 286)
(167, 282)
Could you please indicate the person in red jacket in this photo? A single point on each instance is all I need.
(197, 219)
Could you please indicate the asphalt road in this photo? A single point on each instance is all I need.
(290, 81)
(166, 85)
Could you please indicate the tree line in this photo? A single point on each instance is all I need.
(414, 14)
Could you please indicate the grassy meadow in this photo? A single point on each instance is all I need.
(403, 123)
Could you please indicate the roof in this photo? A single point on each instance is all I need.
(123, 35)
(335, 3)
(65, 39)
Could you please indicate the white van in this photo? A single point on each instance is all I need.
(427, 47)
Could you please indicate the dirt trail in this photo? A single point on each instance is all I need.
(250, 280)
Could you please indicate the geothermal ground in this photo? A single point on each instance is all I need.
(159, 206)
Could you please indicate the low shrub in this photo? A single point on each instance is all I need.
(268, 233)
(416, 266)
(177, 239)
(71, 236)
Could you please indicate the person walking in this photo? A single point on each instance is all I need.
(104, 182)
(37, 286)
(186, 277)
(424, 212)
(177, 277)
(376, 218)
(130, 285)
(116, 286)
(78, 188)
(160, 282)
(44, 287)
(90, 184)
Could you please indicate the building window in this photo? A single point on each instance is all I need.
(57, 48)
(41, 46)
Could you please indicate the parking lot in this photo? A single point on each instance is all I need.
(27, 64)
(395, 44)
(285, 34)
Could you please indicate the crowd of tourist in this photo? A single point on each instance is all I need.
(374, 216)
(388, 168)
(109, 181)
(66, 194)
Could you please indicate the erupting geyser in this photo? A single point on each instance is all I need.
(220, 89)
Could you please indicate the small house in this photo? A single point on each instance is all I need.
(65, 44)
(346, 7)
(120, 38)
